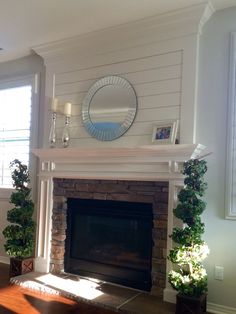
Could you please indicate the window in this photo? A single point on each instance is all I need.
(15, 126)
(230, 195)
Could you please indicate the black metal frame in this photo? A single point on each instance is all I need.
(128, 276)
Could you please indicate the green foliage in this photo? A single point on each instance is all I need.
(20, 233)
(189, 277)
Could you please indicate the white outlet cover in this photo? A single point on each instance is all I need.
(219, 272)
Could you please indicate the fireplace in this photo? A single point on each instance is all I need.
(110, 240)
(146, 174)
(140, 207)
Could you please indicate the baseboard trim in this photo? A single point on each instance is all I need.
(220, 309)
(4, 260)
(170, 296)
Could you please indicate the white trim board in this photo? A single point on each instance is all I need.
(230, 200)
(220, 309)
(4, 260)
(170, 296)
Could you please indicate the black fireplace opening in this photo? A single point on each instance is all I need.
(110, 240)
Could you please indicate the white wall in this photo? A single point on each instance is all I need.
(156, 79)
(160, 60)
(211, 131)
(8, 71)
(157, 55)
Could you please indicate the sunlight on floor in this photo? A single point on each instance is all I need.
(82, 288)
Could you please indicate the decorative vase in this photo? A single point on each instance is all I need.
(52, 134)
(66, 133)
(190, 305)
(20, 266)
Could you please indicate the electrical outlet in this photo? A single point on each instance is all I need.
(219, 272)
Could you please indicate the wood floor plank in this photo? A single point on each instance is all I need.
(17, 300)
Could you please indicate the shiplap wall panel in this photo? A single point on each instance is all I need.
(124, 141)
(143, 115)
(161, 100)
(142, 89)
(120, 67)
(138, 128)
(157, 83)
(137, 76)
(147, 101)
(144, 77)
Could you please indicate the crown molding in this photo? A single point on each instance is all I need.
(208, 12)
(174, 24)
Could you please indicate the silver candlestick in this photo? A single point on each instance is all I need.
(52, 134)
(66, 133)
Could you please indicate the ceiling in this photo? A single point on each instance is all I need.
(28, 23)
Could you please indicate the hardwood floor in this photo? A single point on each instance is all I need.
(14, 299)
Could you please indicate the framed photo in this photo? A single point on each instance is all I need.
(165, 132)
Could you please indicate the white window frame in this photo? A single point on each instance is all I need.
(32, 80)
(230, 203)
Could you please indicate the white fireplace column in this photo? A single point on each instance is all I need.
(44, 221)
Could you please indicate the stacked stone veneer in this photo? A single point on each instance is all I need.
(133, 191)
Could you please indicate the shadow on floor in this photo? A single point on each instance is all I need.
(4, 310)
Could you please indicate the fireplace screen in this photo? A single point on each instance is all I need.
(110, 240)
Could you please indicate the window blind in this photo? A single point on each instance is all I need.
(15, 121)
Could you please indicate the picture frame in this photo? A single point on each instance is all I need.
(165, 132)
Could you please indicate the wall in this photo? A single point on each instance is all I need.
(10, 70)
(211, 131)
(157, 55)
(129, 55)
(156, 79)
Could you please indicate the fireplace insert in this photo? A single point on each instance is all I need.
(110, 240)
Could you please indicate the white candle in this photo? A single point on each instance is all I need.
(54, 104)
(67, 109)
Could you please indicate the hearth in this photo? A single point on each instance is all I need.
(110, 240)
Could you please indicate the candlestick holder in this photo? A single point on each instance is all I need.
(52, 134)
(66, 133)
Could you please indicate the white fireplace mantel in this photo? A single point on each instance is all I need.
(150, 163)
(145, 162)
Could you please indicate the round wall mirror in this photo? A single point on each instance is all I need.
(109, 108)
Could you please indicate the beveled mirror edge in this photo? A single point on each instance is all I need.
(104, 135)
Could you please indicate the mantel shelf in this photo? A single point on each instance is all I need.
(161, 153)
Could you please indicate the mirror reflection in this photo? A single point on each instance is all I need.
(109, 108)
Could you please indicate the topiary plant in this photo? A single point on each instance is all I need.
(20, 233)
(189, 276)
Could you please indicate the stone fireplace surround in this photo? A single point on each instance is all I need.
(155, 167)
(155, 193)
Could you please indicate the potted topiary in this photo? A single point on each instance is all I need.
(20, 233)
(189, 277)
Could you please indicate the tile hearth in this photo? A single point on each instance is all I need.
(101, 293)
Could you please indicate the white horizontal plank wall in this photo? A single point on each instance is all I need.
(158, 56)
(156, 80)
